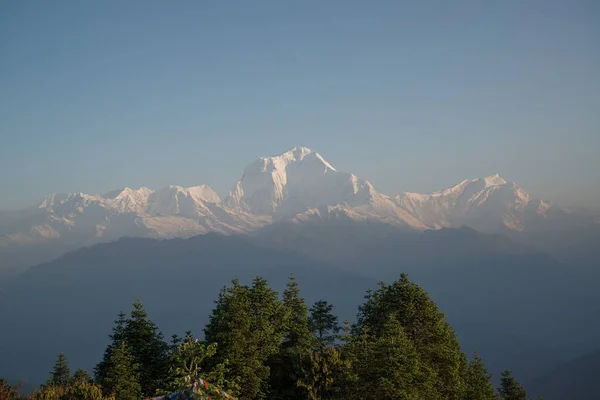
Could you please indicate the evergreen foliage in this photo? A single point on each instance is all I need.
(246, 325)
(60, 374)
(424, 325)
(286, 366)
(324, 373)
(81, 375)
(510, 389)
(258, 346)
(122, 377)
(145, 343)
(387, 366)
(478, 382)
(191, 360)
(323, 324)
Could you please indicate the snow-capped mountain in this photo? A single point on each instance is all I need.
(301, 185)
(297, 186)
(172, 211)
(487, 204)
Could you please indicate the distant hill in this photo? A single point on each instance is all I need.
(508, 301)
(575, 379)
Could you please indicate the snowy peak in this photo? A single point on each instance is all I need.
(68, 202)
(298, 185)
(494, 180)
(490, 204)
(293, 182)
(296, 154)
(176, 200)
(128, 200)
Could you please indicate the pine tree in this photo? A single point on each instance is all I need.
(323, 324)
(286, 365)
(387, 366)
(81, 375)
(324, 374)
(296, 330)
(191, 360)
(116, 338)
(424, 325)
(246, 325)
(122, 375)
(148, 348)
(478, 383)
(60, 374)
(510, 389)
(145, 343)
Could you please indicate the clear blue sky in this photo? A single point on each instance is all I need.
(411, 95)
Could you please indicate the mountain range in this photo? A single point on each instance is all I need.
(298, 186)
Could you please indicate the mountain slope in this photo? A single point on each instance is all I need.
(298, 186)
(509, 302)
(301, 185)
(575, 379)
(487, 204)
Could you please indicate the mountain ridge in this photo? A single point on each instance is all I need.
(296, 186)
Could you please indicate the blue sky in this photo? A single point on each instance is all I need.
(415, 96)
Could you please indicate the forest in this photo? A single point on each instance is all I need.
(260, 344)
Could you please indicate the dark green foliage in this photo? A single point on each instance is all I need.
(387, 366)
(122, 376)
(323, 324)
(191, 359)
(296, 322)
(148, 348)
(478, 384)
(424, 325)
(60, 374)
(116, 338)
(286, 365)
(324, 374)
(510, 389)
(260, 347)
(81, 375)
(246, 325)
(145, 343)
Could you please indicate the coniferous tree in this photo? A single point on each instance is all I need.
(191, 360)
(148, 348)
(323, 324)
(387, 366)
(122, 377)
(287, 364)
(510, 389)
(60, 374)
(424, 325)
(81, 375)
(246, 325)
(116, 338)
(478, 382)
(325, 374)
(145, 343)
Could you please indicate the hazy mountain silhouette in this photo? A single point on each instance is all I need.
(521, 309)
(575, 379)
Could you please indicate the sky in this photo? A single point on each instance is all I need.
(412, 96)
